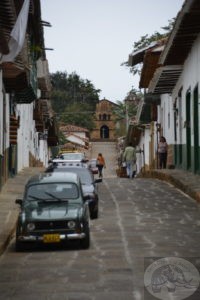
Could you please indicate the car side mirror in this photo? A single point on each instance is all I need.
(98, 180)
(18, 201)
(84, 160)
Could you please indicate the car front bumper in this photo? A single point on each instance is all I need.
(62, 237)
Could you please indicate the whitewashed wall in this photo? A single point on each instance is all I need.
(78, 133)
(143, 157)
(166, 117)
(189, 79)
(25, 134)
(4, 119)
(81, 134)
(43, 152)
(28, 139)
(76, 140)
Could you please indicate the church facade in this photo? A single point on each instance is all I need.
(105, 125)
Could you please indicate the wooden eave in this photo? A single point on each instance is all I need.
(149, 66)
(138, 56)
(7, 20)
(183, 35)
(3, 43)
(152, 98)
(52, 132)
(165, 79)
(46, 108)
(15, 74)
(185, 32)
(40, 111)
(133, 135)
(14, 78)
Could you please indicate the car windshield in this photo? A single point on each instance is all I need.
(84, 174)
(72, 156)
(52, 191)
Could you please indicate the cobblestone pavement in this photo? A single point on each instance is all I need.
(140, 220)
(109, 152)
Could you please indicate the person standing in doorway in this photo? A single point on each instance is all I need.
(100, 164)
(162, 152)
(129, 157)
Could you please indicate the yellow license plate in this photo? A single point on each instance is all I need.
(51, 238)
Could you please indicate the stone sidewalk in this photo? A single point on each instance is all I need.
(187, 182)
(12, 190)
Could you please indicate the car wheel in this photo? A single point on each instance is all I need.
(95, 214)
(19, 246)
(85, 243)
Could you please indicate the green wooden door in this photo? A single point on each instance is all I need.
(188, 130)
(196, 130)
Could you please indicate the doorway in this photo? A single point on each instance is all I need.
(196, 130)
(104, 132)
(188, 130)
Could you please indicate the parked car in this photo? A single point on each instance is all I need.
(89, 184)
(92, 164)
(53, 210)
(67, 163)
(71, 156)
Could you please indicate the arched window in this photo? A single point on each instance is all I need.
(104, 117)
(99, 117)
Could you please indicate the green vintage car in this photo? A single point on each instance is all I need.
(53, 210)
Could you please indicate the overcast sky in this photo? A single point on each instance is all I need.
(93, 38)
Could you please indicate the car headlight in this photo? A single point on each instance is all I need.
(71, 224)
(30, 226)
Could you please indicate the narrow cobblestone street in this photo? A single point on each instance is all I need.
(140, 220)
(109, 152)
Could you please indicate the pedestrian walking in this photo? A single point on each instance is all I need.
(162, 152)
(129, 157)
(100, 164)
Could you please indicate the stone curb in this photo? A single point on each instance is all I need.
(13, 187)
(8, 237)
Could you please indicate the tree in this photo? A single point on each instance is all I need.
(78, 114)
(61, 138)
(128, 107)
(146, 40)
(126, 110)
(72, 97)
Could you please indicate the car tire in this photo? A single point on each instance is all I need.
(85, 243)
(19, 246)
(95, 214)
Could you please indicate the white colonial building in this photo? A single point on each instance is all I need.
(171, 78)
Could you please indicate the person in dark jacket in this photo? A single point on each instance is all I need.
(162, 152)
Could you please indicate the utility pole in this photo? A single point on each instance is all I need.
(127, 116)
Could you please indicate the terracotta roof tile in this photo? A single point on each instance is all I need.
(73, 128)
